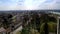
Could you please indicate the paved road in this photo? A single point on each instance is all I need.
(18, 29)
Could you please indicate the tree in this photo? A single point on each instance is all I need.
(25, 19)
(24, 25)
(45, 19)
(6, 21)
(35, 22)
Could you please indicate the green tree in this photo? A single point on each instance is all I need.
(45, 19)
(6, 21)
(25, 29)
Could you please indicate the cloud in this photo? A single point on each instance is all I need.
(29, 4)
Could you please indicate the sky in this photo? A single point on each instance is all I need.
(29, 4)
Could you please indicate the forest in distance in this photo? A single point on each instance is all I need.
(31, 22)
